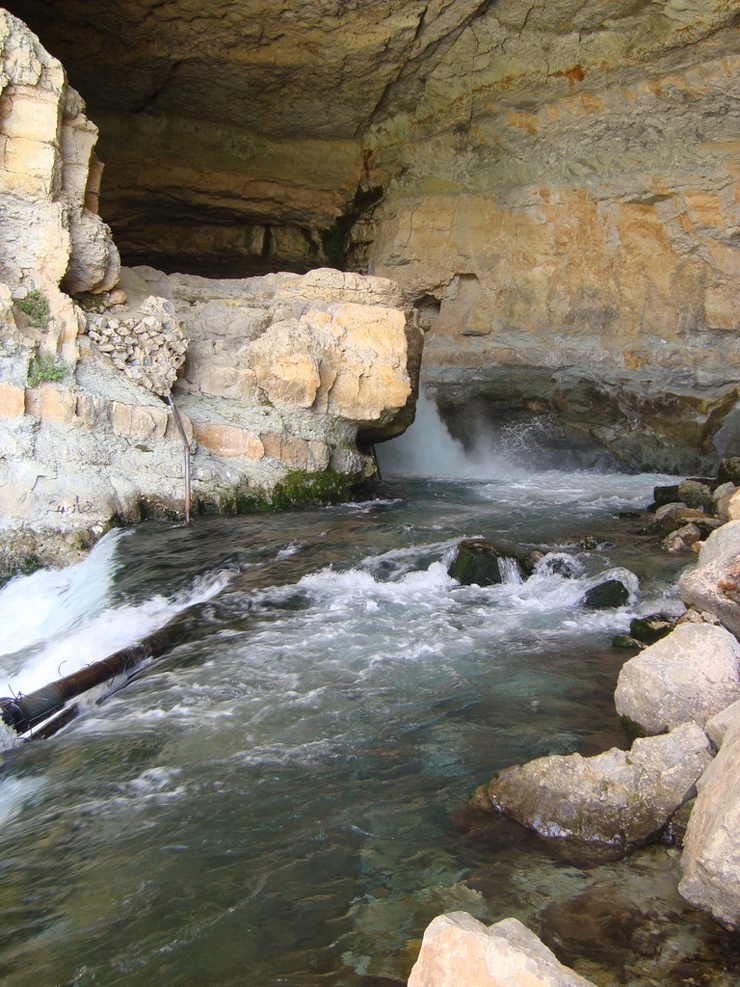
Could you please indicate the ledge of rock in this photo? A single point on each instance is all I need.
(277, 374)
(273, 376)
(555, 186)
(458, 949)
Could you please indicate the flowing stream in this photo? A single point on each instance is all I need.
(282, 798)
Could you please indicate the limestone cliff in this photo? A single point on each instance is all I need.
(273, 376)
(558, 180)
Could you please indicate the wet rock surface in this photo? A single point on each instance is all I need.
(619, 798)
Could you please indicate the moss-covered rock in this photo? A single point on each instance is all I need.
(610, 593)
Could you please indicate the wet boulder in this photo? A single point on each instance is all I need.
(689, 675)
(479, 563)
(711, 855)
(714, 585)
(476, 563)
(458, 949)
(604, 596)
(620, 799)
(664, 495)
(695, 493)
(650, 629)
(729, 471)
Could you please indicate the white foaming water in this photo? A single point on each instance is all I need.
(513, 461)
(425, 449)
(77, 625)
(13, 793)
(50, 602)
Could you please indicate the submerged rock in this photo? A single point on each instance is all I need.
(689, 675)
(459, 950)
(619, 799)
(479, 563)
(711, 856)
(610, 593)
(650, 629)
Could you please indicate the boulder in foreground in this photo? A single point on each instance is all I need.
(619, 799)
(460, 951)
(711, 856)
(691, 674)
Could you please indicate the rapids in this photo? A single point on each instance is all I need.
(282, 798)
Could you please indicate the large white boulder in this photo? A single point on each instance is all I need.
(711, 855)
(714, 585)
(460, 951)
(618, 798)
(691, 674)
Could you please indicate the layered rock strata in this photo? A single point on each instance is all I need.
(49, 228)
(280, 374)
(554, 185)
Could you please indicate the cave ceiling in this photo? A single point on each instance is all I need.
(248, 135)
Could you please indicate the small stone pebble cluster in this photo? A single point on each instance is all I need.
(148, 347)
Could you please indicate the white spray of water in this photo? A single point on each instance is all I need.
(517, 464)
(50, 602)
(58, 622)
(426, 448)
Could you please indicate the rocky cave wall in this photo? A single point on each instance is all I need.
(554, 185)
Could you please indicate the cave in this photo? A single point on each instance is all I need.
(571, 169)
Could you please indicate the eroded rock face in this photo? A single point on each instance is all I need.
(690, 675)
(280, 374)
(554, 185)
(48, 229)
(458, 949)
(711, 856)
(619, 798)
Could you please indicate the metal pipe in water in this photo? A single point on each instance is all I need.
(186, 445)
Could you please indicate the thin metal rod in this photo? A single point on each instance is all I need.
(186, 445)
(377, 464)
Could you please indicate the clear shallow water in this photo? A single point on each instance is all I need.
(282, 799)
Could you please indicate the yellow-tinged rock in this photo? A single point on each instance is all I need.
(459, 951)
(12, 400)
(229, 442)
(51, 403)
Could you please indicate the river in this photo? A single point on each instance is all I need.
(282, 798)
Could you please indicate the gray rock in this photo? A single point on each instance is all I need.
(695, 494)
(711, 856)
(689, 675)
(618, 798)
(718, 727)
